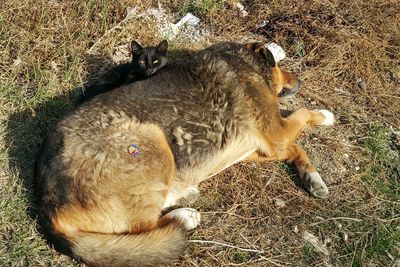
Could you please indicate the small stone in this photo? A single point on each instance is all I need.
(243, 13)
(240, 6)
(279, 203)
(327, 240)
(54, 65)
(17, 62)
(361, 83)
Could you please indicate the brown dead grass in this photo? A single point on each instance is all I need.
(330, 44)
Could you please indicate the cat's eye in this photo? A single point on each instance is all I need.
(141, 61)
(155, 61)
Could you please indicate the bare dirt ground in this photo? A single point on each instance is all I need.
(347, 54)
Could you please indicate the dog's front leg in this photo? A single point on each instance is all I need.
(308, 174)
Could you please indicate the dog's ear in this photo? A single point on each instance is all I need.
(162, 47)
(260, 49)
(136, 48)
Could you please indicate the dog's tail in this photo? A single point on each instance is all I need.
(154, 248)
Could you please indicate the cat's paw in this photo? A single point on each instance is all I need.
(189, 218)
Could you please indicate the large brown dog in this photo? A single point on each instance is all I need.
(110, 167)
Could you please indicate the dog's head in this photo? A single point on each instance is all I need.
(285, 83)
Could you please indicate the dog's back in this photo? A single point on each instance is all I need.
(209, 96)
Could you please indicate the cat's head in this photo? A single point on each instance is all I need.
(147, 60)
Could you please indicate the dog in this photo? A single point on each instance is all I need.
(111, 166)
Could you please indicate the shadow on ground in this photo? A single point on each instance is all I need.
(25, 130)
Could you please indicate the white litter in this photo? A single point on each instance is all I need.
(188, 19)
(276, 51)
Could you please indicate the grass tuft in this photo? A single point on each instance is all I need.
(383, 174)
(200, 7)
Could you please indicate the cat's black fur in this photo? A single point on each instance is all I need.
(145, 62)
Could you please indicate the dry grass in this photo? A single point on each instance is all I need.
(331, 44)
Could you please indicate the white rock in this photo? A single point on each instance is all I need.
(276, 51)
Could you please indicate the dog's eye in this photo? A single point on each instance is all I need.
(155, 61)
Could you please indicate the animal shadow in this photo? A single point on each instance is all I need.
(25, 130)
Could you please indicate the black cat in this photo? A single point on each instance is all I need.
(145, 62)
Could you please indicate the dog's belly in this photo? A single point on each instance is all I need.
(214, 163)
(187, 180)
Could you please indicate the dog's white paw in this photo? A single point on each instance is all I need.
(329, 118)
(189, 218)
(315, 185)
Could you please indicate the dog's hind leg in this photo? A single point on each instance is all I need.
(188, 217)
(181, 195)
(309, 176)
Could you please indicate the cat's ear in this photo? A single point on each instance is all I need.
(162, 48)
(136, 48)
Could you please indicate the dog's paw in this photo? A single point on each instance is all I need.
(329, 118)
(315, 185)
(189, 218)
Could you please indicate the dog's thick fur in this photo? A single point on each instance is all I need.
(190, 121)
